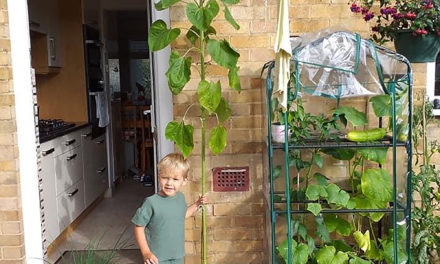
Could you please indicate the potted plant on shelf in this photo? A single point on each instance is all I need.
(413, 25)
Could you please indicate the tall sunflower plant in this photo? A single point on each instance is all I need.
(203, 38)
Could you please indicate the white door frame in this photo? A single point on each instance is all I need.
(163, 99)
(26, 135)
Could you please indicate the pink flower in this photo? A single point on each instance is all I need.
(355, 8)
(368, 16)
(411, 15)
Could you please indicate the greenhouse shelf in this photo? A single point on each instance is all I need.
(330, 198)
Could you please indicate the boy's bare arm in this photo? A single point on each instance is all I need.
(192, 209)
(148, 256)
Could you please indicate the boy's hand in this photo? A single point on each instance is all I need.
(150, 258)
(203, 199)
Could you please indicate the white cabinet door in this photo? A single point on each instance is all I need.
(68, 169)
(48, 195)
(70, 204)
(95, 167)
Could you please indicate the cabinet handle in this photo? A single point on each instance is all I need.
(100, 141)
(101, 170)
(72, 157)
(87, 134)
(72, 193)
(70, 142)
(47, 152)
(52, 49)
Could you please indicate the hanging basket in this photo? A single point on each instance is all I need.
(417, 48)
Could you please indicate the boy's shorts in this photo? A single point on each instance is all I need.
(173, 261)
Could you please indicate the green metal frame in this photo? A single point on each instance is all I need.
(396, 207)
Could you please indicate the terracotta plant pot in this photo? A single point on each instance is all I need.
(417, 48)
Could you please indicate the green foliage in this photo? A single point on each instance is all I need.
(352, 115)
(179, 72)
(315, 208)
(328, 255)
(425, 220)
(182, 135)
(338, 224)
(209, 94)
(217, 140)
(300, 252)
(363, 240)
(160, 36)
(378, 155)
(376, 185)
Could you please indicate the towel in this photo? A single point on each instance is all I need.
(102, 109)
(283, 52)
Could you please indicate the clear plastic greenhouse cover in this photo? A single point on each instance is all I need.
(340, 64)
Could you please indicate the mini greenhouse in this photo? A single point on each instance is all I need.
(338, 187)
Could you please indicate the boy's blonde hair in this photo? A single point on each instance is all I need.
(174, 161)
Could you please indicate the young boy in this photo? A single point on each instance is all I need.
(160, 221)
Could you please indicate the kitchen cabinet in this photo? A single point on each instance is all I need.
(38, 15)
(45, 41)
(73, 174)
(95, 166)
(48, 194)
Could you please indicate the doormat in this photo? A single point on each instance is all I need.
(119, 256)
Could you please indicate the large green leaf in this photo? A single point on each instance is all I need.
(388, 252)
(222, 53)
(382, 105)
(340, 153)
(160, 36)
(314, 191)
(234, 79)
(217, 140)
(320, 178)
(317, 159)
(328, 255)
(358, 260)
(230, 18)
(164, 4)
(363, 240)
(201, 17)
(300, 252)
(378, 155)
(376, 185)
(315, 208)
(182, 135)
(354, 116)
(223, 110)
(338, 224)
(179, 72)
(336, 195)
(321, 229)
(363, 202)
(193, 33)
(209, 95)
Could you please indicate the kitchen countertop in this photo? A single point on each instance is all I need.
(45, 138)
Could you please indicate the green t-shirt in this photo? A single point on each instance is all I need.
(164, 221)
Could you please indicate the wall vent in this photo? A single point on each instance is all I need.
(230, 179)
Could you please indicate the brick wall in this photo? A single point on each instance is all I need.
(11, 234)
(236, 220)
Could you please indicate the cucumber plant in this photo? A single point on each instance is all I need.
(369, 189)
(202, 36)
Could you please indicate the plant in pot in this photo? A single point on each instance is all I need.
(203, 42)
(413, 25)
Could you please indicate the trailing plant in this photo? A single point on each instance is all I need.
(202, 36)
(425, 182)
(369, 189)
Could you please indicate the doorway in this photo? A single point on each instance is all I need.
(156, 116)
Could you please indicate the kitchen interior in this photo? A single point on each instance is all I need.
(93, 90)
